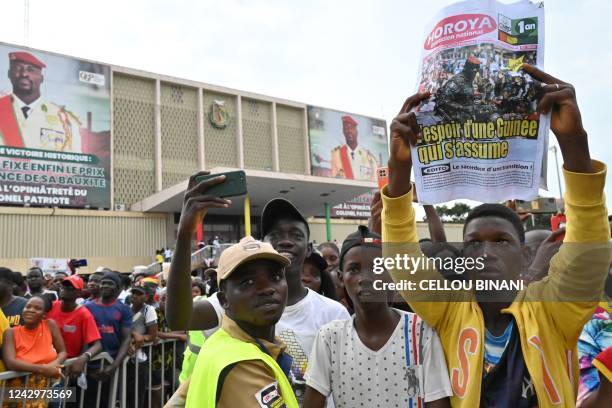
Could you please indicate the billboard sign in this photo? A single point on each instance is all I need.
(344, 145)
(55, 144)
(358, 207)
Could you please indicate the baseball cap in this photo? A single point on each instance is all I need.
(248, 249)
(363, 236)
(138, 289)
(277, 208)
(75, 281)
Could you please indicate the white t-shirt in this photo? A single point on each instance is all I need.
(356, 376)
(214, 301)
(124, 294)
(298, 327)
(141, 321)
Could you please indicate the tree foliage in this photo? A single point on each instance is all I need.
(456, 214)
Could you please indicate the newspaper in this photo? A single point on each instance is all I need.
(482, 138)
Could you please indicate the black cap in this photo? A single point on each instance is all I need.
(316, 258)
(138, 289)
(114, 277)
(363, 236)
(279, 208)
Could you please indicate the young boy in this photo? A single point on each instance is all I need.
(243, 363)
(518, 348)
(382, 356)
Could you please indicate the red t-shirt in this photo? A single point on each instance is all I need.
(78, 327)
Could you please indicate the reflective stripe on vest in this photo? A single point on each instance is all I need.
(195, 340)
(195, 349)
(221, 351)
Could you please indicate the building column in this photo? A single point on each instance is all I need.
(247, 215)
(328, 222)
(275, 156)
(158, 138)
(239, 135)
(201, 146)
(306, 144)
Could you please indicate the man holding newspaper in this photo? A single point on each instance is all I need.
(535, 364)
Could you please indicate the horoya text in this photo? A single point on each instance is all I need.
(459, 27)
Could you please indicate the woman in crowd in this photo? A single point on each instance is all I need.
(316, 277)
(331, 254)
(36, 347)
(197, 289)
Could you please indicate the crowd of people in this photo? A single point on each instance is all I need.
(283, 322)
(75, 318)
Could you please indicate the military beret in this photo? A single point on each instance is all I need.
(347, 119)
(473, 60)
(26, 57)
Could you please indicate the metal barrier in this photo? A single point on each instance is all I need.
(148, 349)
(208, 255)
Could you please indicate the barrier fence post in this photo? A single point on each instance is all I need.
(99, 390)
(174, 387)
(150, 374)
(163, 371)
(123, 382)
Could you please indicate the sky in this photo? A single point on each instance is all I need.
(358, 56)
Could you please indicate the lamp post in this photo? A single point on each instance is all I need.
(553, 148)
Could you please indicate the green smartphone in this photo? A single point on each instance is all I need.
(234, 184)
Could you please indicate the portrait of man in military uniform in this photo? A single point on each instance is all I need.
(455, 99)
(27, 119)
(350, 160)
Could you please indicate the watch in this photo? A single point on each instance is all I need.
(88, 355)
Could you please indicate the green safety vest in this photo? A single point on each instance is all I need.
(195, 340)
(221, 351)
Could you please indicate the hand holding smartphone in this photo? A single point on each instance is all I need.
(234, 184)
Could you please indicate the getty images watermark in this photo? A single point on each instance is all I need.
(459, 265)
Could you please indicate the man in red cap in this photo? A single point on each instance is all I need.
(26, 119)
(350, 160)
(76, 323)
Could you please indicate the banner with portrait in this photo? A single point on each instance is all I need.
(345, 145)
(55, 130)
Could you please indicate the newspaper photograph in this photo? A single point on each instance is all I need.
(482, 138)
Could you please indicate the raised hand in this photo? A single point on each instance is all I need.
(196, 202)
(559, 98)
(547, 249)
(404, 134)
